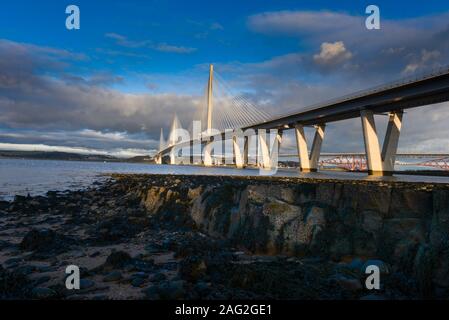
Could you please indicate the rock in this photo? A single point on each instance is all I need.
(117, 228)
(78, 254)
(137, 282)
(439, 236)
(401, 238)
(193, 268)
(86, 284)
(95, 254)
(44, 269)
(42, 280)
(279, 213)
(202, 288)
(441, 271)
(142, 275)
(155, 199)
(356, 264)
(406, 203)
(371, 221)
(117, 259)
(152, 293)
(152, 248)
(43, 240)
(43, 293)
(423, 269)
(113, 276)
(25, 270)
(347, 283)
(13, 261)
(195, 193)
(157, 277)
(171, 290)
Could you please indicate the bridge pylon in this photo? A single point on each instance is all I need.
(210, 97)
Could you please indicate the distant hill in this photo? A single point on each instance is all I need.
(146, 159)
(54, 155)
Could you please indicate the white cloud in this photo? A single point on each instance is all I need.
(427, 59)
(175, 49)
(302, 22)
(332, 54)
(123, 41)
(120, 153)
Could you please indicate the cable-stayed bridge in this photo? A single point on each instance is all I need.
(232, 122)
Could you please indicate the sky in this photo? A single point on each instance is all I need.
(110, 86)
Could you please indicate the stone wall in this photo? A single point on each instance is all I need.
(404, 225)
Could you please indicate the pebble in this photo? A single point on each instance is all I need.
(143, 275)
(351, 284)
(137, 282)
(113, 276)
(86, 283)
(151, 293)
(171, 290)
(158, 277)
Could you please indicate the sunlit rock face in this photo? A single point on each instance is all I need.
(405, 225)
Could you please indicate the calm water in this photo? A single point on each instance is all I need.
(34, 177)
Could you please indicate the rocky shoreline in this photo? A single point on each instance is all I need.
(207, 237)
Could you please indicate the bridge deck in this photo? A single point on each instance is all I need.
(419, 91)
(429, 89)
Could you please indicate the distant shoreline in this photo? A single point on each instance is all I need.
(65, 156)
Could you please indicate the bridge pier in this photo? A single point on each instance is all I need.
(264, 144)
(158, 159)
(223, 149)
(172, 156)
(208, 149)
(240, 152)
(381, 162)
(245, 150)
(257, 149)
(309, 163)
(238, 155)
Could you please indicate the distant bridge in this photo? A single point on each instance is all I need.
(240, 119)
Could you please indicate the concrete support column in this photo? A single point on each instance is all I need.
(172, 156)
(309, 163)
(264, 144)
(391, 141)
(191, 160)
(372, 146)
(257, 147)
(245, 150)
(381, 163)
(238, 154)
(208, 149)
(223, 149)
(264, 149)
(197, 148)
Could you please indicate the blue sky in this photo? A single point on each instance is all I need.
(215, 30)
(142, 61)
